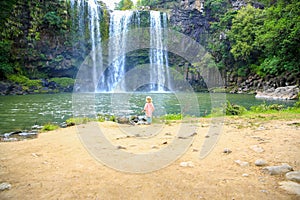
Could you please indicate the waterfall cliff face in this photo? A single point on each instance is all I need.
(89, 23)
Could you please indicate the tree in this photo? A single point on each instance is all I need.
(124, 5)
(280, 38)
(243, 33)
(6, 66)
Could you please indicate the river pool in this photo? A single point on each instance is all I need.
(22, 112)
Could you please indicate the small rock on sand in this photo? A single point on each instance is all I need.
(5, 186)
(187, 164)
(257, 149)
(290, 186)
(275, 170)
(242, 163)
(260, 162)
(226, 150)
(293, 176)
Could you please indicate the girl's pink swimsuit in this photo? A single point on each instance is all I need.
(149, 108)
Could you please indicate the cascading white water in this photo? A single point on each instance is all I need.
(158, 52)
(119, 25)
(112, 79)
(90, 20)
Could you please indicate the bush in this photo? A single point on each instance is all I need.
(232, 109)
(77, 121)
(24, 81)
(49, 127)
(297, 104)
(264, 107)
(63, 82)
(172, 117)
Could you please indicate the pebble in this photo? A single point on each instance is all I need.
(187, 164)
(264, 191)
(242, 163)
(260, 162)
(226, 150)
(34, 155)
(275, 170)
(5, 186)
(261, 128)
(245, 175)
(121, 147)
(257, 149)
(293, 176)
(290, 186)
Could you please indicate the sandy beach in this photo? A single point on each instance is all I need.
(57, 165)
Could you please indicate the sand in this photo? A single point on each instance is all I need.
(57, 165)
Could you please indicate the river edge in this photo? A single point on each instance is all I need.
(57, 165)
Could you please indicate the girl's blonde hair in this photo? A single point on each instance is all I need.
(149, 99)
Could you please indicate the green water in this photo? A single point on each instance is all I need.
(22, 112)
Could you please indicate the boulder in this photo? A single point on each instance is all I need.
(282, 93)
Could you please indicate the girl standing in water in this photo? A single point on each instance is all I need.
(149, 108)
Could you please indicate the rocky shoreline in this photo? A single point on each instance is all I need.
(47, 87)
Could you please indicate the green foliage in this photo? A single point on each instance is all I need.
(146, 2)
(172, 117)
(6, 66)
(124, 5)
(53, 20)
(243, 32)
(49, 127)
(297, 104)
(106, 117)
(113, 118)
(268, 39)
(265, 108)
(24, 81)
(232, 109)
(64, 81)
(217, 8)
(78, 120)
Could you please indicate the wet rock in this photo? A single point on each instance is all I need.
(63, 125)
(5, 186)
(187, 164)
(276, 170)
(260, 162)
(36, 127)
(122, 120)
(290, 186)
(242, 163)
(257, 149)
(293, 176)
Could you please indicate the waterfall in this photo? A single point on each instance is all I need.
(86, 19)
(119, 25)
(90, 21)
(158, 53)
